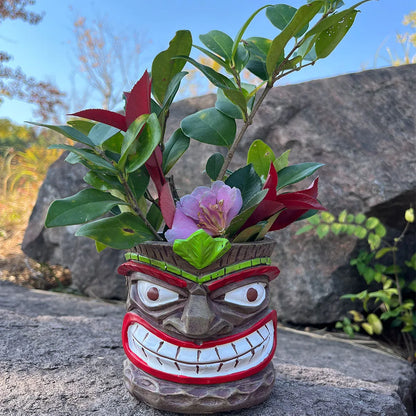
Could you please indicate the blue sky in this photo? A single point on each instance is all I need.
(44, 50)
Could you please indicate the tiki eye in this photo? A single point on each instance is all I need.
(248, 295)
(154, 295)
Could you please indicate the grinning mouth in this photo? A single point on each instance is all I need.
(227, 359)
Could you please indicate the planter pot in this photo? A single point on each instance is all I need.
(199, 341)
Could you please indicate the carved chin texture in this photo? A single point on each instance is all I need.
(223, 360)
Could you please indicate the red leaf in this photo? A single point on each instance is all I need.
(271, 183)
(286, 218)
(154, 167)
(138, 99)
(167, 205)
(298, 200)
(104, 116)
(264, 210)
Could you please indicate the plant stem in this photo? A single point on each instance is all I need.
(241, 133)
(134, 205)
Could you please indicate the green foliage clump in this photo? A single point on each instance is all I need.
(389, 297)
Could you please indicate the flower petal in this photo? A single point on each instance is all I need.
(189, 205)
(182, 227)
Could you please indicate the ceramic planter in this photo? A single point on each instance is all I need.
(199, 341)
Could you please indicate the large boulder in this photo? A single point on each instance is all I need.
(62, 355)
(361, 126)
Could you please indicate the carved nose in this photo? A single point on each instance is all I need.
(197, 316)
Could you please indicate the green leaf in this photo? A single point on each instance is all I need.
(260, 155)
(175, 147)
(210, 126)
(120, 232)
(374, 241)
(249, 234)
(333, 19)
(200, 249)
(226, 107)
(301, 18)
(360, 218)
(322, 230)
(99, 247)
(360, 232)
(247, 180)
(240, 33)
(84, 126)
(412, 285)
(146, 144)
(239, 220)
(101, 133)
(164, 68)
(130, 137)
(241, 58)
(85, 206)
(336, 228)
(218, 42)
(328, 40)
(103, 182)
(95, 161)
(327, 217)
(237, 98)
(307, 49)
(380, 230)
(342, 217)
(304, 229)
(69, 132)
(282, 161)
(315, 220)
(154, 216)
(258, 48)
(172, 89)
(213, 76)
(295, 173)
(280, 16)
(214, 165)
(214, 57)
(266, 227)
(138, 182)
(375, 323)
(372, 223)
(367, 328)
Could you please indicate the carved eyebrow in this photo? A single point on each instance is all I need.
(132, 266)
(270, 271)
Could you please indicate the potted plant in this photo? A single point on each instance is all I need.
(199, 334)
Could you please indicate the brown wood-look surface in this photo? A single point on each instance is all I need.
(238, 253)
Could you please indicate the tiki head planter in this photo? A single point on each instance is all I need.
(199, 341)
(198, 334)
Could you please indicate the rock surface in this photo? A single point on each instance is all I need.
(62, 355)
(360, 125)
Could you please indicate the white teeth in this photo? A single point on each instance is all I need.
(223, 359)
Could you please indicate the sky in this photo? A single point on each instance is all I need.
(44, 50)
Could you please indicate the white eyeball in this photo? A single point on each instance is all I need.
(153, 295)
(248, 295)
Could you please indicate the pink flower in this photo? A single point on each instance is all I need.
(211, 209)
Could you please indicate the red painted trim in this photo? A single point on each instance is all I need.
(270, 271)
(131, 318)
(134, 266)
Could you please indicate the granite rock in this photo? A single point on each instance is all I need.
(360, 125)
(62, 355)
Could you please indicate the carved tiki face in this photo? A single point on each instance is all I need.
(199, 327)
